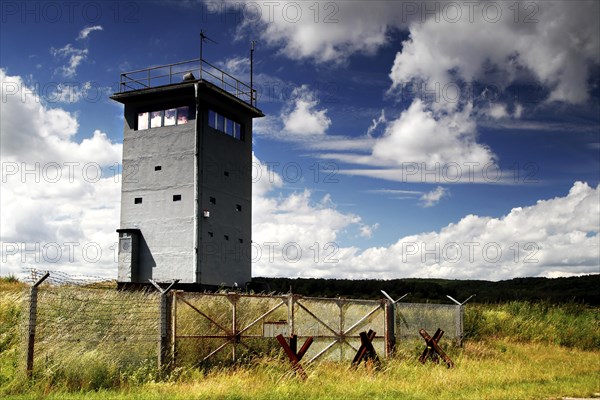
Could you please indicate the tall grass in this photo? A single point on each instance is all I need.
(86, 339)
(513, 350)
(571, 325)
(11, 360)
(499, 371)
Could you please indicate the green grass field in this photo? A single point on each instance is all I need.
(516, 350)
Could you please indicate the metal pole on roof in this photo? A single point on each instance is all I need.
(252, 72)
(203, 37)
(201, 42)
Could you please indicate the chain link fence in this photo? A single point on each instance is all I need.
(410, 317)
(78, 320)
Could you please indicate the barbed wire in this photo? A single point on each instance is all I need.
(60, 278)
(79, 314)
(85, 313)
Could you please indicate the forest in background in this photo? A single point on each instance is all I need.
(583, 289)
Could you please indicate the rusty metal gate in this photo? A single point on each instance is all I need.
(335, 325)
(206, 324)
(191, 328)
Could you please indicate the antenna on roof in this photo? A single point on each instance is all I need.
(203, 37)
(252, 43)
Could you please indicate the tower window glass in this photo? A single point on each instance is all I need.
(170, 117)
(225, 125)
(182, 115)
(142, 121)
(237, 131)
(229, 127)
(156, 119)
(220, 123)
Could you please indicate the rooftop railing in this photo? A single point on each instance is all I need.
(173, 73)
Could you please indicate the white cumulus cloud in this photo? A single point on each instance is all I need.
(553, 42)
(433, 197)
(366, 231)
(321, 30)
(54, 204)
(303, 117)
(422, 145)
(556, 42)
(551, 45)
(73, 57)
(554, 237)
(295, 234)
(418, 135)
(85, 32)
(60, 197)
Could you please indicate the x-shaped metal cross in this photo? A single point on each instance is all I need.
(432, 349)
(295, 357)
(366, 350)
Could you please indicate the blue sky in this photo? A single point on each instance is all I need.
(419, 128)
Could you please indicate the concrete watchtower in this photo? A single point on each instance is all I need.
(186, 197)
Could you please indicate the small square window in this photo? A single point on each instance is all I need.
(176, 197)
(226, 237)
(226, 173)
(157, 168)
(137, 200)
(210, 234)
(238, 207)
(142, 122)
(241, 241)
(213, 200)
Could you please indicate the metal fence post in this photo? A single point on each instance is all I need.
(340, 302)
(291, 314)
(174, 328)
(32, 323)
(390, 322)
(390, 328)
(233, 299)
(165, 324)
(460, 314)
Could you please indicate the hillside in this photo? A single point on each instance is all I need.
(558, 290)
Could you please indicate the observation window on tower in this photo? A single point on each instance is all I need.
(156, 119)
(182, 115)
(170, 117)
(225, 125)
(142, 121)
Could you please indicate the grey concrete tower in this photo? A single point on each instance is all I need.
(186, 197)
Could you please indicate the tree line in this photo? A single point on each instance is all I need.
(583, 289)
